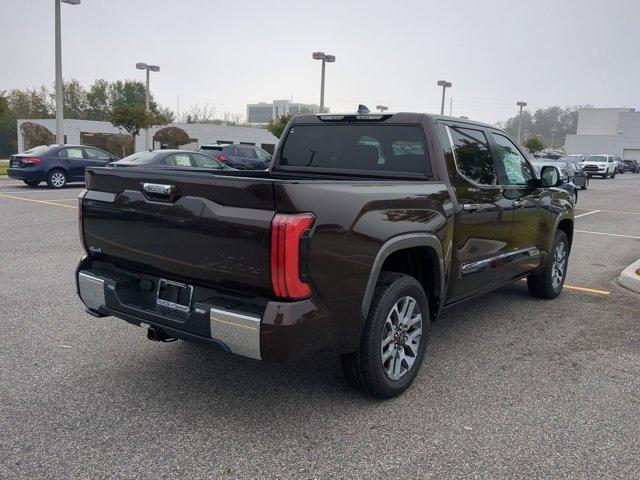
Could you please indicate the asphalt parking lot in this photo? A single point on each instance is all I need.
(512, 387)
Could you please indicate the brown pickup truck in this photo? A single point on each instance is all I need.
(363, 229)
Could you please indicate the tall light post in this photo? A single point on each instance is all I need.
(521, 105)
(444, 84)
(382, 108)
(59, 99)
(553, 134)
(147, 96)
(325, 59)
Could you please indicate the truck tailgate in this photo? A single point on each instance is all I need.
(211, 228)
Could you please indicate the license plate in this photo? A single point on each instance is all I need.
(15, 163)
(174, 295)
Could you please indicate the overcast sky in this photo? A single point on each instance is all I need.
(230, 53)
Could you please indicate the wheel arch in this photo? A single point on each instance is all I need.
(406, 254)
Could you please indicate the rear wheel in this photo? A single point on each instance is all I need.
(549, 282)
(32, 183)
(394, 338)
(56, 179)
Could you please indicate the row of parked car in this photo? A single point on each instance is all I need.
(61, 164)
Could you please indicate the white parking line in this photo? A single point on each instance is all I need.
(585, 214)
(608, 234)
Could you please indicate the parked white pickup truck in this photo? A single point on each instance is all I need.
(603, 165)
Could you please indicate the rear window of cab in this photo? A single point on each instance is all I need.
(378, 149)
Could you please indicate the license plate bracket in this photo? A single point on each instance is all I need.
(174, 295)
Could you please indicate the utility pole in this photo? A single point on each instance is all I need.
(521, 105)
(451, 107)
(58, 61)
(325, 59)
(444, 84)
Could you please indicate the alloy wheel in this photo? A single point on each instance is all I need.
(57, 179)
(402, 333)
(559, 265)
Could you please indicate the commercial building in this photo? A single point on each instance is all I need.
(261, 113)
(607, 130)
(87, 132)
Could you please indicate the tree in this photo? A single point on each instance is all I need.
(134, 118)
(4, 105)
(98, 100)
(172, 136)
(36, 134)
(534, 145)
(74, 99)
(276, 127)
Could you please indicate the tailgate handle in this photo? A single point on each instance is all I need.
(158, 188)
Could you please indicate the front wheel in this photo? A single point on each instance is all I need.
(394, 339)
(549, 282)
(586, 184)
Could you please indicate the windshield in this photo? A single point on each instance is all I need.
(140, 157)
(40, 150)
(596, 158)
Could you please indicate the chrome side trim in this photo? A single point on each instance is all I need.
(239, 332)
(91, 290)
(474, 267)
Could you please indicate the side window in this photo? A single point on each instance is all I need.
(516, 167)
(472, 155)
(262, 155)
(247, 152)
(71, 153)
(179, 160)
(204, 161)
(95, 154)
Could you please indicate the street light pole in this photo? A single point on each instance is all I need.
(325, 59)
(382, 108)
(521, 105)
(444, 84)
(58, 56)
(147, 97)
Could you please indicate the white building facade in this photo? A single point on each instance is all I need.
(614, 131)
(79, 132)
(261, 113)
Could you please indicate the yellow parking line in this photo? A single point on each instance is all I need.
(37, 201)
(589, 290)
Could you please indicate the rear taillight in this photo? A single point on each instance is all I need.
(80, 223)
(31, 161)
(288, 232)
(221, 158)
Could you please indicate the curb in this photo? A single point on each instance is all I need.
(629, 278)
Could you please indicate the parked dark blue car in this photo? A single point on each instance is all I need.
(241, 157)
(56, 164)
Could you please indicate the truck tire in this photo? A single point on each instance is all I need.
(396, 328)
(549, 282)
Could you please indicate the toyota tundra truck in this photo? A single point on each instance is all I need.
(364, 229)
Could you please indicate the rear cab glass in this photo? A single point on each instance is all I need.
(378, 149)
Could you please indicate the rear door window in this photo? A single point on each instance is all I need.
(95, 154)
(71, 153)
(205, 161)
(472, 155)
(372, 148)
(179, 160)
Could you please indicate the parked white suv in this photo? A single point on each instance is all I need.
(603, 165)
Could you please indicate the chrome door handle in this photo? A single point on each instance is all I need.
(518, 203)
(471, 207)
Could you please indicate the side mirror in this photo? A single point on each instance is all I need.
(550, 176)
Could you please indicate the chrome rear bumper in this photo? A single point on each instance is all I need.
(238, 331)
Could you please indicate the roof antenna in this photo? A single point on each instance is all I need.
(362, 109)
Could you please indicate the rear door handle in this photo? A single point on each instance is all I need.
(518, 203)
(471, 207)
